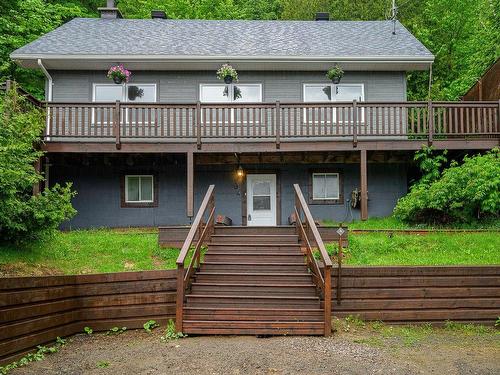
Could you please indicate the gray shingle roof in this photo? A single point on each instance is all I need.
(87, 36)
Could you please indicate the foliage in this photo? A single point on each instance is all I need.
(227, 70)
(335, 72)
(171, 333)
(38, 355)
(103, 364)
(116, 331)
(462, 193)
(497, 322)
(119, 72)
(88, 330)
(150, 325)
(22, 215)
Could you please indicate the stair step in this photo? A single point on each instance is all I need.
(255, 238)
(251, 247)
(246, 277)
(224, 267)
(255, 259)
(252, 327)
(255, 230)
(201, 300)
(254, 289)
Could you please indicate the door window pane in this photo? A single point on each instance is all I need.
(108, 93)
(262, 188)
(261, 203)
(141, 93)
(317, 93)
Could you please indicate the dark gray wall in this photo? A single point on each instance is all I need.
(183, 86)
(98, 185)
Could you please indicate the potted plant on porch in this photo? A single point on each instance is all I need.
(227, 73)
(335, 74)
(119, 74)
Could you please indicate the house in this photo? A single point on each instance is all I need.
(143, 153)
(488, 86)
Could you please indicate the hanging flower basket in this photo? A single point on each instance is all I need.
(227, 73)
(335, 74)
(119, 74)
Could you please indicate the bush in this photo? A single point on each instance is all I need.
(461, 193)
(22, 215)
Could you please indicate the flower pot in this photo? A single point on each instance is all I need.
(228, 79)
(118, 80)
(336, 80)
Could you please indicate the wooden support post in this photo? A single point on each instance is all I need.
(354, 123)
(364, 187)
(339, 270)
(38, 169)
(278, 124)
(179, 302)
(47, 170)
(198, 125)
(116, 124)
(430, 117)
(328, 301)
(190, 182)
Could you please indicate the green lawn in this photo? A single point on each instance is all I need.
(95, 251)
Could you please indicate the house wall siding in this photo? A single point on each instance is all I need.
(183, 86)
(98, 187)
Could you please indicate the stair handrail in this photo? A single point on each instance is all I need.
(203, 229)
(323, 281)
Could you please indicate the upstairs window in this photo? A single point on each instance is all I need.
(129, 92)
(233, 93)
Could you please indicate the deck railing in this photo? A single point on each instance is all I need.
(272, 121)
(204, 229)
(310, 238)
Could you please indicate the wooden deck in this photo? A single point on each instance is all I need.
(261, 127)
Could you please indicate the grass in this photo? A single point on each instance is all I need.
(89, 251)
(430, 249)
(392, 223)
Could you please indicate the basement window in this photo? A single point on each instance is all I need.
(139, 191)
(325, 187)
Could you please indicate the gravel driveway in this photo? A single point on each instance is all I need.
(359, 352)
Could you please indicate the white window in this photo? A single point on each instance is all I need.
(325, 186)
(139, 189)
(325, 93)
(129, 92)
(235, 92)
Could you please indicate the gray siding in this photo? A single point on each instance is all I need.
(98, 187)
(178, 87)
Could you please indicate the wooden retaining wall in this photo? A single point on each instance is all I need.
(419, 294)
(35, 310)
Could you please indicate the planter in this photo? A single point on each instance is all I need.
(118, 80)
(228, 80)
(336, 80)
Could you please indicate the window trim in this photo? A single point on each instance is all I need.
(231, 101)
(138, 204)
(339, 200)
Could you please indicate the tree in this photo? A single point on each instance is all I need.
(22, 215)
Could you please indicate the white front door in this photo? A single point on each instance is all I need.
(261, 200)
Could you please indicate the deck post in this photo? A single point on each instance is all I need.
(179, 302)
(328, 300)
(278, 124)
(354, 123)
(190, 182)
(38, 169)
(430, 117)
(116, 124)
(198, 125)
(364, 187)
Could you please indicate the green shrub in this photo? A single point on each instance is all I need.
(22, 215)
(461, 193)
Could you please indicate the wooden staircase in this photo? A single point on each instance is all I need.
(252, 280)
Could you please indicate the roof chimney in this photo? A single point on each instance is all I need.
(110, 11)
(322, 16)
(158, 14)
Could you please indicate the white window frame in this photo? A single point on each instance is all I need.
(140, 188)
(324, 174)
(123, 99)
(334, 97)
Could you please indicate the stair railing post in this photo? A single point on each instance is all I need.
(328, 300)
(179, 306)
